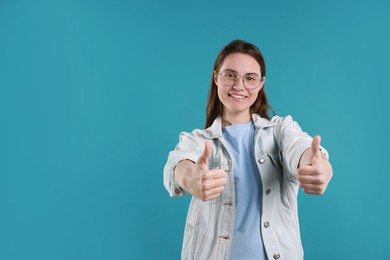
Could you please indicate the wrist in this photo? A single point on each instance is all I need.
(181, 173)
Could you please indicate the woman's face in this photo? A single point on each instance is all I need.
(236, 99)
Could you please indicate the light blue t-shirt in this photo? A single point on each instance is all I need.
(247, 243)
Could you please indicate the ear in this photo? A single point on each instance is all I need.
(215, 77)
(262, 83)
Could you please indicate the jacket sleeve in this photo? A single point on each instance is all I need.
(292, 142)
(189, 148)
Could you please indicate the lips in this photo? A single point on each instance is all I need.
(237, 96)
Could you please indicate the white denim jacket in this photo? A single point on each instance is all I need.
(279, 144)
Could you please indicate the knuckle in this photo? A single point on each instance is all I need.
(220, 173)
(319, 170)
(204, 198)
(204, 175)
(205, 186)
(205, 183)
(320, 191)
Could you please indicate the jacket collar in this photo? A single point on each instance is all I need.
(215, 130)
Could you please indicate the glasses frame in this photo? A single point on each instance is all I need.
(238, 76)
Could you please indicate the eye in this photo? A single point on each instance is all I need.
(250, 78)
(230, 75)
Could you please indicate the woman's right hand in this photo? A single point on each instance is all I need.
(197, 179)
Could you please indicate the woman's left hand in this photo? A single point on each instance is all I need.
(315, 171)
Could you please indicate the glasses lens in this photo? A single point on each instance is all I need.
(251, 81)
(228, 78)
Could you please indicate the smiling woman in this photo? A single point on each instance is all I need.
(244, 169)
(237, 96)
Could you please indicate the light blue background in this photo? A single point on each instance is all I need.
(93, 95)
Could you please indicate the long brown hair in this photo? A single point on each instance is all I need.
(214, 105)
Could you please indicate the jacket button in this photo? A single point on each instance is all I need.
(276, 256)
(261, 160)
(268, 191)
(266, 224)
(229, 204)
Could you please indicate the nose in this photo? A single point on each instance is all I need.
(239, 84)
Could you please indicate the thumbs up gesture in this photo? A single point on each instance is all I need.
(315, 171)
(198, 180)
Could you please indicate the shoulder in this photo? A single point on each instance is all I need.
(195, 135)
(284, 122)
(195, 132)
(280, 119)
(275, 121)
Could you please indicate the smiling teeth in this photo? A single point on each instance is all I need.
(236, 96)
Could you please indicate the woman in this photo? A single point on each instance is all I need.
(244, 169)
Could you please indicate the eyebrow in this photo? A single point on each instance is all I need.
(250, 73)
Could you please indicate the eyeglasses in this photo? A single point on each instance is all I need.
(250, 81)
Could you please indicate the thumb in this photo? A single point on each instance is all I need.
(315, 147)
(204, 157)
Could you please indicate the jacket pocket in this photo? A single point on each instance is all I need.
(275, 160)
(276, 170)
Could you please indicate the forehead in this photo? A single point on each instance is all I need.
(242, 63)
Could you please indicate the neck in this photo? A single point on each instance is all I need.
(234, 120)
